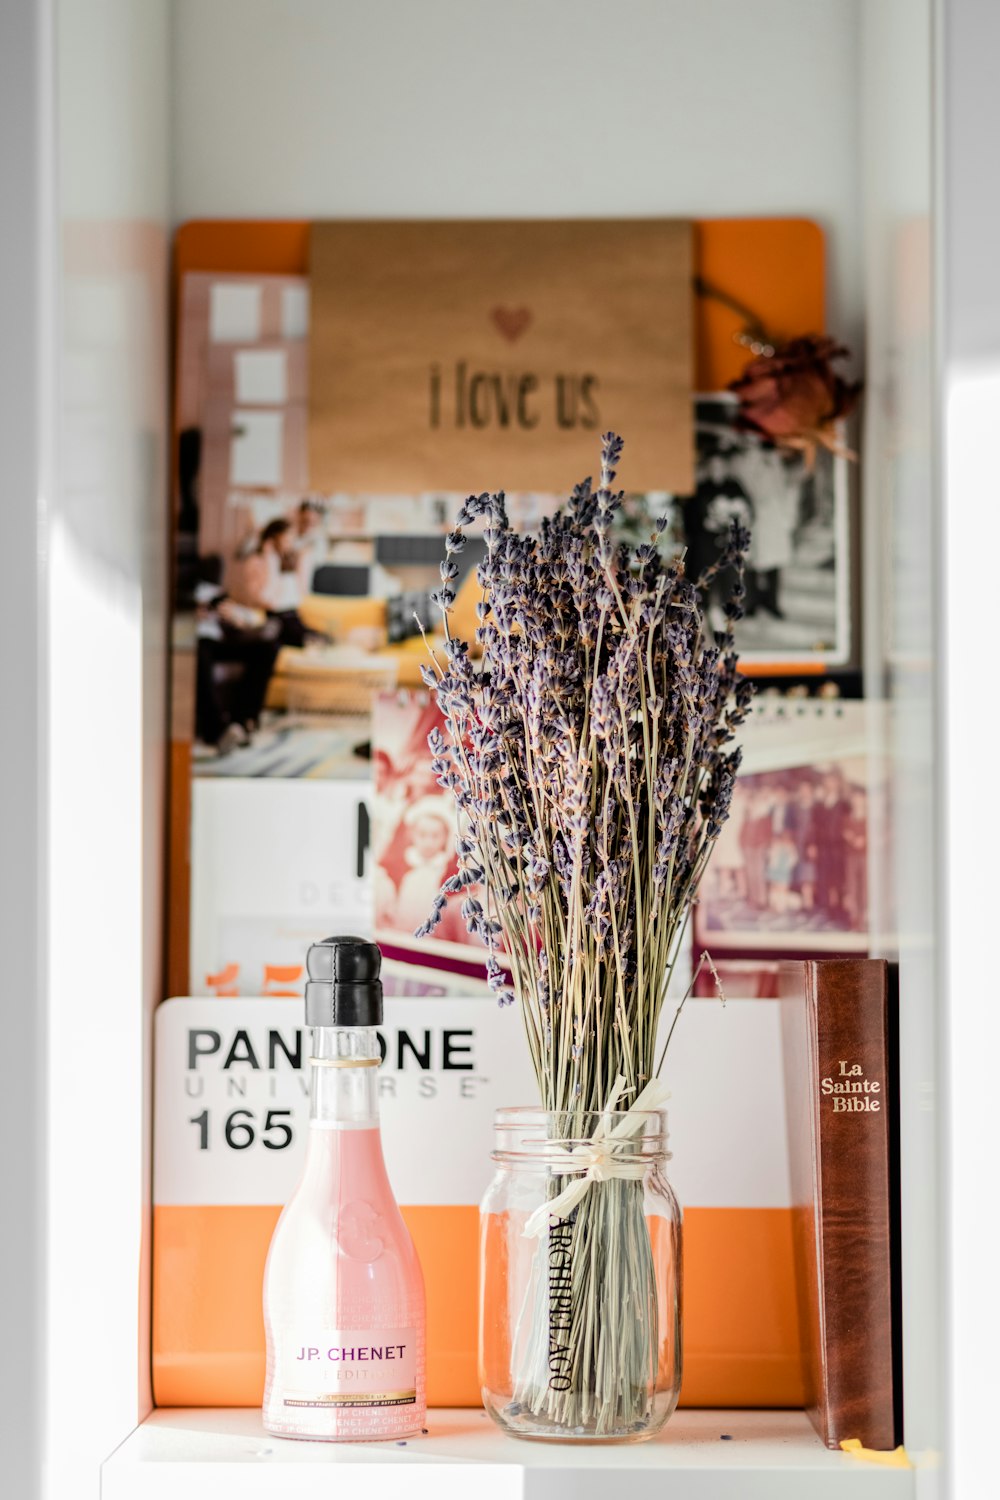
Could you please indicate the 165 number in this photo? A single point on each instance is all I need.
(240, 1129)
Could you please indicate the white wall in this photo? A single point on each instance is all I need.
(25, 412)
(105, 538)
(83, 371)
(83, 256)
(969, 810)
(902, 621)
(534, 108)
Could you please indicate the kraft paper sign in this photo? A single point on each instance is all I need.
(491, 355)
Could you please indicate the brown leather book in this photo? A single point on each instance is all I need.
(839, 1089)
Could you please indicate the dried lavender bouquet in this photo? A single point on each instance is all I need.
(590, 756)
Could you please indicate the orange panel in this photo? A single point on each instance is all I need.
(208, 1329)
(740, 1324)
(774, 268)
(447, 1241)
(258, 247)
(741, 1327)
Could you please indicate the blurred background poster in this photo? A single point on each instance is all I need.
(414, 831)
(303, 615)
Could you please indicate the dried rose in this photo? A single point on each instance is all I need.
(794, 397)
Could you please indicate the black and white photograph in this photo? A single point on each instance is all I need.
(798, 572)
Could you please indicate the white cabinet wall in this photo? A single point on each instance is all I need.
(83, 356)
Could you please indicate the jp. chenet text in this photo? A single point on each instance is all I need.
(340, 1355)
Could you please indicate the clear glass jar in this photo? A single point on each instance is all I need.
(580, 1277)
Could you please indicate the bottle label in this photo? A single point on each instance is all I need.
(343, 1368)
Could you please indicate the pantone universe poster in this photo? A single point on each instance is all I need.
(478, 355)
(231, 1119)
(275, 865)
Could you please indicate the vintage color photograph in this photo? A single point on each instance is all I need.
(790, 871)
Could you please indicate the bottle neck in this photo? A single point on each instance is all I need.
(343, 1088)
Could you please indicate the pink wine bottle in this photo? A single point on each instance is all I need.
(343, 1290)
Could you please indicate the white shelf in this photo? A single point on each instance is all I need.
(196, 1454)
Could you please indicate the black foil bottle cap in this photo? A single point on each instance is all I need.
(344, 988)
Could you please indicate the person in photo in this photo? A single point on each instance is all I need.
(236, 649)
(708, 517)
(273, 582)
(755, 839)
(429, 857)
(773, 482)
(781, 860)
(309, 541)
(832, 812)
(804, 832)
(782, 814)
(856, 860)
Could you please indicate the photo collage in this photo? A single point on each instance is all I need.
(302, 620)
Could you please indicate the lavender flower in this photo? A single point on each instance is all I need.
(589, 748)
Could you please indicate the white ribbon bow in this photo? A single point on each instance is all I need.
(597, 1160)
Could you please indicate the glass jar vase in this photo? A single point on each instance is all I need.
(580, 1277)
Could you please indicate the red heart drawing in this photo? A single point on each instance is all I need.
(511, 321)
